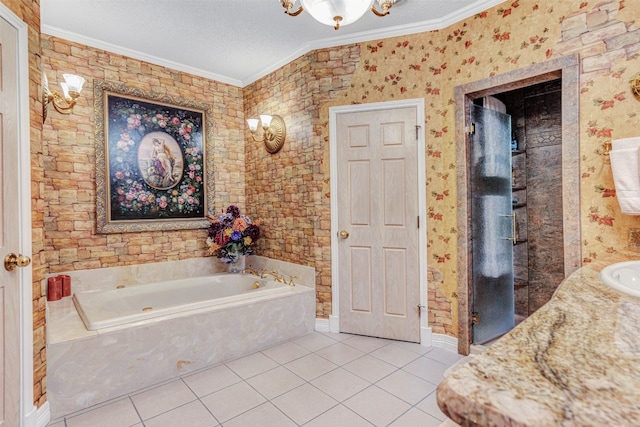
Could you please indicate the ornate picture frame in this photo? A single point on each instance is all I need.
(152, 171)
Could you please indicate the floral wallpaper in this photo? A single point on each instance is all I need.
(510, 36)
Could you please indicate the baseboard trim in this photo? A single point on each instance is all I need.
(39, 417)
(445, 341)
(322, 325)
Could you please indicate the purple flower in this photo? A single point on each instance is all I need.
(234, 211)
(214, 228)
(236, 235)
(252, 231)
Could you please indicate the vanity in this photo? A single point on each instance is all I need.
(574, 362)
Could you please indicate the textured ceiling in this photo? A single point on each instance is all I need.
(232, 41)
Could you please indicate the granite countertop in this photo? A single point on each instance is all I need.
(574, 362)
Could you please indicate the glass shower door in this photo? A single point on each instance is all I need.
(492, 224)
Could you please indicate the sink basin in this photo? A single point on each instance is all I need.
(623, 277)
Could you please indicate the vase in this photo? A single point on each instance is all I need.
(238, 265)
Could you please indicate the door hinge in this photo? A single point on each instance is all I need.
(471, 129)
(417, 129)
(475, 319)
(418, 221)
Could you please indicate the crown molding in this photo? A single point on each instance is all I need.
(383, 33)
(98, 44)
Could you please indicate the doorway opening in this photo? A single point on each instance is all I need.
(542, 217)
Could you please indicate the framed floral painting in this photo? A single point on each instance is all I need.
(151, 163)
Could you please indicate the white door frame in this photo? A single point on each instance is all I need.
(28, 414)
(418, 103)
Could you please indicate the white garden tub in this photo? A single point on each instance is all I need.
(105, 308)
(192, 324)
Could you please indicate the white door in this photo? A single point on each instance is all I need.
(378, 255)
(9, 229)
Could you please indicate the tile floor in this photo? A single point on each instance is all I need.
(318, 380)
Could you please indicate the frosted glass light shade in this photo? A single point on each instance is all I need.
(74, 83)
(253, 124)
(324, 11)
(65, 90)
(266, 120)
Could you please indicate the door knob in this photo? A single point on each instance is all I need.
(12, 261)
(343, 234)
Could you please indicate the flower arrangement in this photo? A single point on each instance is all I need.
(232, 235)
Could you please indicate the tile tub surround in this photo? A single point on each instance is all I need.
(87, 367)
(574, 362)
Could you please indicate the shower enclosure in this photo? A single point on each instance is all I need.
(493, 224)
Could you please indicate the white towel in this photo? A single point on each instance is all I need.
(625, 158)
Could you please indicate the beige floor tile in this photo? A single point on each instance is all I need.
(275, 382)
(339, 353)
(314, 341)
(430, 406)
(310, 366)
(265, 415)
(162, 399)
(211, 380)
(415, 417)
(339, 416)
(285, 353)
(427, 369)
(394, 355)
(120, 413)
(366, 344)
(232, 401)
(340, 384)
(377, 406)
(407, 387)
(370, 368)
(304, 403)
(251, 365)
(192, 414)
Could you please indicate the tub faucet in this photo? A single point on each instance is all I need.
(251, 270)
(291, 280)
(274, 275)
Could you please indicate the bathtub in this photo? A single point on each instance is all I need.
(108, 358)
(105, 308)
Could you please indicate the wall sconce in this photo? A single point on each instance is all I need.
(63, 103)
(635, 85)
(274, 131)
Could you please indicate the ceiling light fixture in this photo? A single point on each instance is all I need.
(65, 101)
(274, 131)
(337, 12)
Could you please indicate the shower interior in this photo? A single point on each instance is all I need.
(516, 206)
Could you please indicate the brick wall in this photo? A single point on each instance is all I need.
(288, 191)
(599, 37)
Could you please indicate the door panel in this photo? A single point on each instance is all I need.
(378, 208)
(9, 237)
(491, 224)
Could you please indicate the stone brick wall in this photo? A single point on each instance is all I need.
(599, 37)
(71, 241)
(288, 191)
